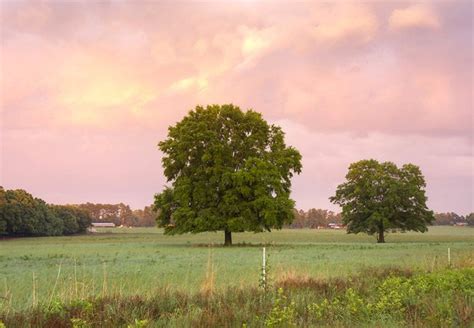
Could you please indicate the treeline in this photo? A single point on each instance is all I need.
(452, 218)
(314, 219)
(319, 218)
(21, 214)
(120, 214)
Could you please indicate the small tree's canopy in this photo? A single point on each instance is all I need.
(378, 197)
(230, 171)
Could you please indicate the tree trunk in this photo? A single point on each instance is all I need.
(228, 238)
(381, 238)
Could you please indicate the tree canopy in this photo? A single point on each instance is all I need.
(21, 214)
(229, 171)
(379, 197)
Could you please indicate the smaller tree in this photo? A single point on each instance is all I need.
(378, 197)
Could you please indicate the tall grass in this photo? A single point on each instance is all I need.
(389, 297)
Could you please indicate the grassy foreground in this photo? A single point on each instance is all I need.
(141, 277)
(377, 298)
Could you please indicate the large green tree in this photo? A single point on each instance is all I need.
(379, 197)
(229, 171)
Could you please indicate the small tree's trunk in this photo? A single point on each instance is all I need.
(381, 238)
(228, 238)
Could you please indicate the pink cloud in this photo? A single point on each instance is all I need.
(414, 16)
(344, 21)
(88, 90)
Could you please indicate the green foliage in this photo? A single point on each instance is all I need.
(315, 218)
(79, 323)
(393, 299)
(230, 171)
(82, 306)
(56, 308)
(119, 214)
(145, 217)
(396, 296)
(3, 220)
(75, 220)
(67, 216)
(282, 313)
(470, 219)
(141, 260)
(21, 214)
(379, 197)
(139, 324)
(449, 218)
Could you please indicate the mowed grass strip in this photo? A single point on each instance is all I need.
(140, 261)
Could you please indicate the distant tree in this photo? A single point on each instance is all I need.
(21, 214)
(84, 220)
(317, 218)
(449, 218)
(48, 224)
(335, 218)
(229, 170)
(74, 219)
(125, 215)
(470, 219)
(314, 218)
(145, 217)
(68, 217)
(378, 197)
(119, 214)
(3, 220)
(24, 215)
(299, 220)
(18, 213)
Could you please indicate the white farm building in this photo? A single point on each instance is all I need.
(103, 225)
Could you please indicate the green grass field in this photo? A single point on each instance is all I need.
(142, 260)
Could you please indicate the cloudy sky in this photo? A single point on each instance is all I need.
(89, 88)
